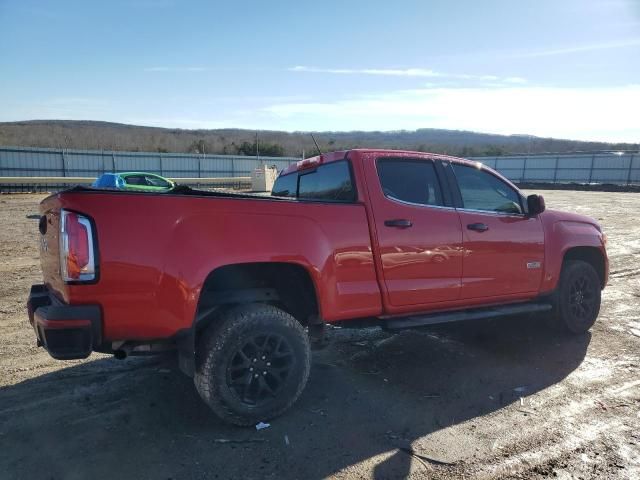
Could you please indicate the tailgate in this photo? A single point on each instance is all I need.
(49, 233)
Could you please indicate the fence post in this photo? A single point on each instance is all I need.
(64, 166)
(233, 167)
(113, 159)
(524, 169)
(555, 170)
(629, 172)
(161, 170)
(593, 157)
(200, 167)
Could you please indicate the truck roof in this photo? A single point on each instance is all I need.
(342, 154)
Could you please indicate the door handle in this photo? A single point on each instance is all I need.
(478, 227)
(398, 223)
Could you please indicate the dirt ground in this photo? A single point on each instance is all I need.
(505, 399)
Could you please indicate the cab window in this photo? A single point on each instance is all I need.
(286, 186)
(412, 181)
(331, 182)
(481, 190)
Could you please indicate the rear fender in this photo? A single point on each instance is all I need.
(229, 239)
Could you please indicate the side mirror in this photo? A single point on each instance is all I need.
(536, 204)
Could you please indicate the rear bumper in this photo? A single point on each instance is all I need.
(65, 331)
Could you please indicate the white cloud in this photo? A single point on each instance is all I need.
(404, 72)
(394, 72)
(631, 42)
(607, 113)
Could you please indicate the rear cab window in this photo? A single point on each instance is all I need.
(286, 185)
(331, 182)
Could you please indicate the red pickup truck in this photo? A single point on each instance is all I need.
(239, 283)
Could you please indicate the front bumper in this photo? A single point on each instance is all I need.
(65, 331)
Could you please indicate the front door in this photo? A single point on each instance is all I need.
(504, 247)
(419, 237)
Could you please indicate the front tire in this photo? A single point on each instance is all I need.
(252, 363)
(577, 300)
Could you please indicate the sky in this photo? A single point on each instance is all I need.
(553, 68)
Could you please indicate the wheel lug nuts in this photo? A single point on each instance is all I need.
(251, 369)
(255, 376)
(263, 357)
(268, 364)
(264, 373)
(255, 359)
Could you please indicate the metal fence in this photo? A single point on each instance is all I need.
(586, 168)
(620, 169)
(49, 162)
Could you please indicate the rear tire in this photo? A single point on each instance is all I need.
(577, 299)
(252, 363)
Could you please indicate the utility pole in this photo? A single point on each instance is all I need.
(204, 155)
(257, 149)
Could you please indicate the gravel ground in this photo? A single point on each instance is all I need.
(505, 399)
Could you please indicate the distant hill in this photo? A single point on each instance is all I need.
(115, 136)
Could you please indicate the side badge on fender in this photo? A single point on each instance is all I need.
(531, 265)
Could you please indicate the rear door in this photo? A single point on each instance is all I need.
(504, 247)
(419, 237)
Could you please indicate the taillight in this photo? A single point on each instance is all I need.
(77, 260)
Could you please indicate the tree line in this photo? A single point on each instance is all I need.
(92, 135)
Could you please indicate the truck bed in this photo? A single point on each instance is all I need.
(157, 250)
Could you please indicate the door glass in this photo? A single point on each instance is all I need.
(156, 182)
(135, 180)
(481, 190)
(413, 181)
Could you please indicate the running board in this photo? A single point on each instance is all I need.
(460, 315)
